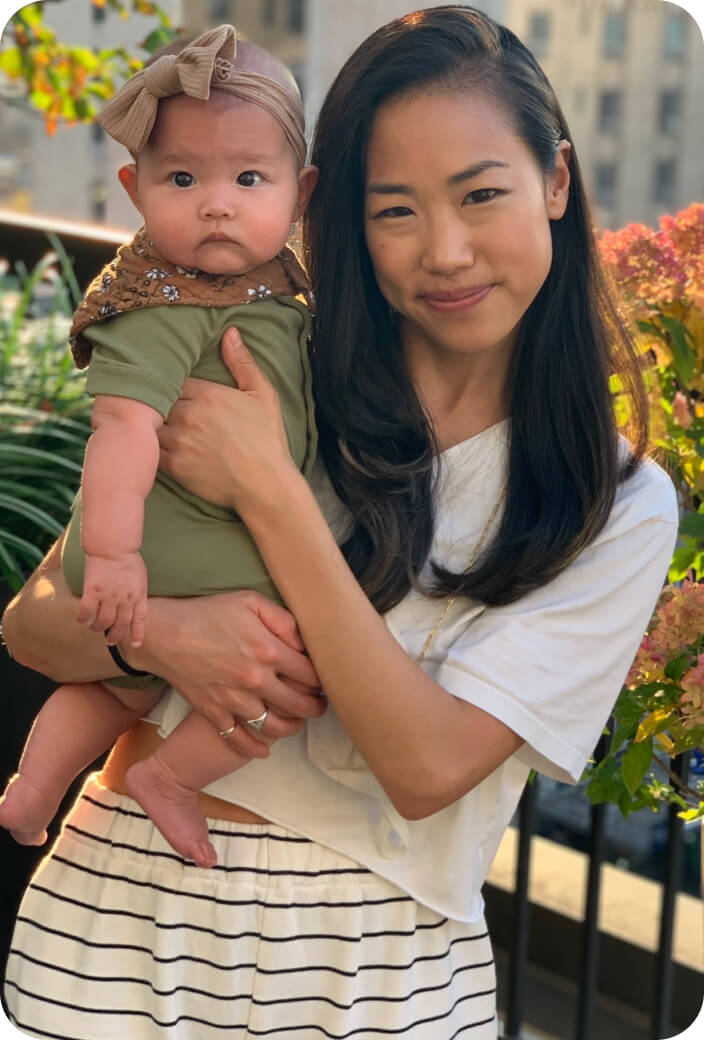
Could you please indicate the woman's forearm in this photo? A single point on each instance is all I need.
(425, 747)
(41, 631)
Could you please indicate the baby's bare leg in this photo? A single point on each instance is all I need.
(77, 723)
(167, 783)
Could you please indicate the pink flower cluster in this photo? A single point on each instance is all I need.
(676, 627)
(692, 700)
(658, 267)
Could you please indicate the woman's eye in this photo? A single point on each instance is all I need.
(249, 179)
(394, 211)
(482, 195)
(182, 179)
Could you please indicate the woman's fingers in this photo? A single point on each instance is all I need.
(280, 622)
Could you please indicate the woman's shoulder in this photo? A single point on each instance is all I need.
(647, 494)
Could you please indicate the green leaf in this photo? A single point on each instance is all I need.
(32, 513)
(692, 524)
(604, 790)
(11, 62)
(158, 38)
(29, 551)
(683, 356)
(656, 722)
(676, 668)
(636, 763)
(30, 15)
(682, 559)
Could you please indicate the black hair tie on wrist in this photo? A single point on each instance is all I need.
(122, 664)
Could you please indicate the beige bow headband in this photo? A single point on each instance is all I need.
(207, 62)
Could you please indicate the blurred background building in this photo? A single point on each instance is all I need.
(629, 74)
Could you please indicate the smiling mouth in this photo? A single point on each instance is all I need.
(218, 236)
(459, 299)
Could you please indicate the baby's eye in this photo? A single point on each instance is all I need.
(482, 195)
(249, 179)
(182, 179)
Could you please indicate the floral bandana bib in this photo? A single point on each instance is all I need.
(139, 277)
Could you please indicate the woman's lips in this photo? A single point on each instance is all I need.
(459, 300)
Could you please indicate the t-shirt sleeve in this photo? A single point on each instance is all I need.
(551, 665)
(146, 355)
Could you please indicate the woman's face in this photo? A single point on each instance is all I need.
(457, 221)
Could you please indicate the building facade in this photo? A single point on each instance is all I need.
(629, 75)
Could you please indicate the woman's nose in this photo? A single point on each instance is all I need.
(448, 246)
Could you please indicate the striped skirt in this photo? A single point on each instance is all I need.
(119, 937)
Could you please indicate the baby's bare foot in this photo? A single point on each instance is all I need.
(173, 809)
(25, 811)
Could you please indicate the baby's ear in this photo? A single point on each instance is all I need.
(307, 180)
(127, 176)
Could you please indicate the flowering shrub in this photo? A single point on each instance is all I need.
(660, 712)
(659, 275)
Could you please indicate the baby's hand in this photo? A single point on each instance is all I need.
(114, 597)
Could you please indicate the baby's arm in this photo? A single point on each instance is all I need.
(118, 473)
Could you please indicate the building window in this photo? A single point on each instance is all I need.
(295, 16)
(675, 36)
(664, 182)
(670, 111)
(98, 202)
(98, 137)
(98, 13)
(614, 35)
(610, 111)
(268, 12)
(539, 33)
(605, 184)
(297, 71)
(221, 10)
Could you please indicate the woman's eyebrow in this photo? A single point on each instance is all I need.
(476, 169)
(381, 188)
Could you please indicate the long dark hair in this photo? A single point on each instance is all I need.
(564, 464)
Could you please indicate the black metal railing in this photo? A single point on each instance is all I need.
(656, 970)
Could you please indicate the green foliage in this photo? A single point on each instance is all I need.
(67, 82)
(659, 713)
(660, 276)
(44, 412)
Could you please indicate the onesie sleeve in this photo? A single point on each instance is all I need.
(146, 355)
(551, 665)
(276, 332)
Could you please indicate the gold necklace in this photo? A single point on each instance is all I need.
(453, 599)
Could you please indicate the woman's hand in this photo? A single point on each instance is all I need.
(244, 425)
(232, 656)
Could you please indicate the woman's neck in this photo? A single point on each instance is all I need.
(462, 394)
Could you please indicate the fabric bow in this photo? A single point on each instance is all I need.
(130, 115)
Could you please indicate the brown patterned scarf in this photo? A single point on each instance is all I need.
(139, 277)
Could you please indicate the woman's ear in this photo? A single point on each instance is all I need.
(127, 176)
(557, 183)
(307, 180)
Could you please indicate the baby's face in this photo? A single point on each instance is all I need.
(218, 185)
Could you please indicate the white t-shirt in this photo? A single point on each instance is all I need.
(549, 666)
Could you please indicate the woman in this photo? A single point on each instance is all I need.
(486, 508)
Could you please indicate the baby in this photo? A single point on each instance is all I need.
(219, 177)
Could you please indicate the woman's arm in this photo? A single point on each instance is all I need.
(227, 654)
(40, 630)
